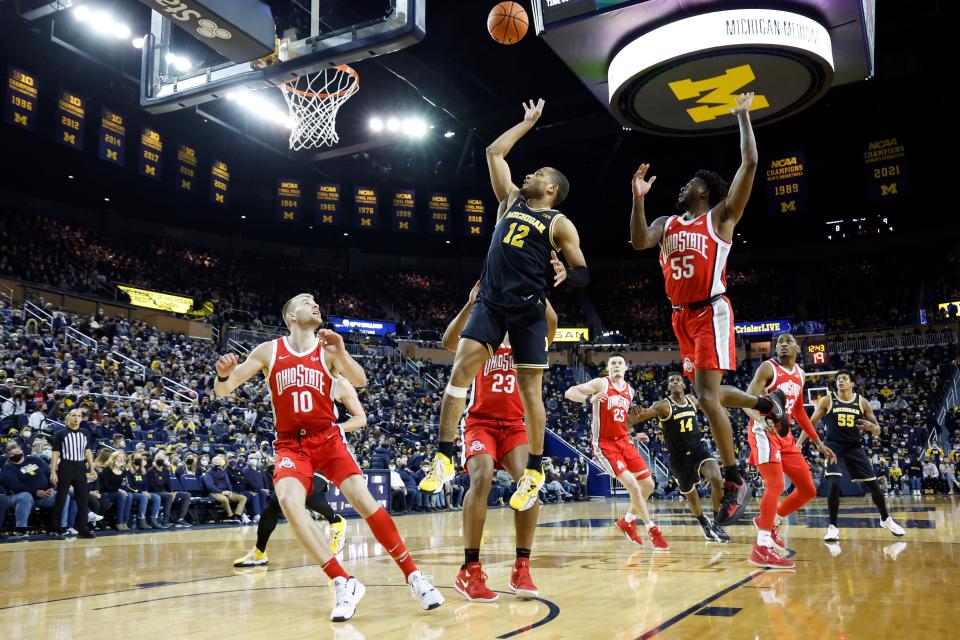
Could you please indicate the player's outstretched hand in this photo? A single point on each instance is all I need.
(472, 298)
(332, 339)
(559, 271)
(597, 398)
(869, 427)
(744, 100)
(642, 437)
(641, 187)
(827, 452)
(226, 363)
(532, 111)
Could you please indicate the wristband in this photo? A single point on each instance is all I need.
(220, 379)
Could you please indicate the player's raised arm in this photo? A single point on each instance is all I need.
(500, 178)
(347, 395)
(344, 363)
(739, 192)
(451, 336)
(659, 409)
(231, 375)
(758, 386)
(869, 422)
(594, 391)
(643, 236)
(564, 236)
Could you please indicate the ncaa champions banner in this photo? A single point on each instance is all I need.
(21, 107)
(219, 182)
(113, 136)
(473, 217)
(151, 151)
(289, 196)
(404, 206)
(439, 207)
(328, 204)
(71, 113)
(365, 206)
(786, 184)
(885, 168)
(186, 167)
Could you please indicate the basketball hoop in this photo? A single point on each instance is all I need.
(314, 100)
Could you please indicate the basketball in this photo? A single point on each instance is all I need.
(507, 23)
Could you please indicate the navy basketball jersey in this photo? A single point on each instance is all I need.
(842, 420)
(516, 270)
(681, 430)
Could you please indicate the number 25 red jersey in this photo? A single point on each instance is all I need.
(610, 417)
(494, 395)
(694, 259)
(301, 390)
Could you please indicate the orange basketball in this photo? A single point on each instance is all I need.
(507, 23)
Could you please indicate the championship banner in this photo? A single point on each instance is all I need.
(71, 114)
(289, 197)
(404, 206)
(113, 136)
(571, 334)
(365, 206)
(786, 184)
(21, 109)
(151, 150)
(328, 204)
(885, 169)
(764, 327)
(219, 182)
(439, 207)
(186, 166)
(156, 300)
(474, 213)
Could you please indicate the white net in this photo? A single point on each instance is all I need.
(314, 100)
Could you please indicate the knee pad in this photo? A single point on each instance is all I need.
(456, 392)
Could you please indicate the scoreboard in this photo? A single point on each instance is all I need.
(815, 352)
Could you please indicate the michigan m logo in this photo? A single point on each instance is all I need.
(69, 138)
(790, 205)
(720, 91)
(112, 155)
(888, 189)
(327, 219)
(288, 215)
(218, 197)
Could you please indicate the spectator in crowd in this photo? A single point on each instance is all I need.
(158, 483)
(914, 476)
(931, 476)
(140, 492)
(398, 491)
(113, 487)
(254, 481)
(30, 475)
(217, 484)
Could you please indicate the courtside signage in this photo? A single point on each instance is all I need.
(571, 334)
(156, 299)
(369, 327)
(763, 327)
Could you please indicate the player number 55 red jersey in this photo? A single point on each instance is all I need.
(694, 259)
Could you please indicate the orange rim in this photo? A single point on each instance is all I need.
(291, 85)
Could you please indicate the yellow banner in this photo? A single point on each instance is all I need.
(157, 300)
(575, 334)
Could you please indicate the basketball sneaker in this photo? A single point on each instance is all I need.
(767, 558)
(778, 542)
(629, 529)
(832, 535)
(471, 583)
(520, 581)
(736, 496)
(708, 533)
(527, 490)
(722, 536)
(347, 594)
(659, 544)
(441, 472)
(421, 589)
(778, 415)
(338, 534)
(254, 558)
(892, 527)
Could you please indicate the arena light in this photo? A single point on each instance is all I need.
(137, 43)
(82, 13)
(376, 125)
(181, 63)
(120, 31)
(414, 127)
(261, 107)
(449, 134)
(393, 124)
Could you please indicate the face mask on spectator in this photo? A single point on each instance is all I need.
(17, 458)
(46, 454)
(232, 463)
(252, 463)
(204, 461)
(206, 449)
(25, 434)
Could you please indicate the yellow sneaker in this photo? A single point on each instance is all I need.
(441, 472)
(527, 490)
(338, 535)
(253, 559)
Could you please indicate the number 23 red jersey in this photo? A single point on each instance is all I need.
(301, 390)
(494, 394)
(694, 259)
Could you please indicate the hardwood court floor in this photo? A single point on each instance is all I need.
(593, 583)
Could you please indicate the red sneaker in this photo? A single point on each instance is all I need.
(778, 542)
(629, 529)
(767, 558)
(471, 583)
(659, 544)
(520, 581)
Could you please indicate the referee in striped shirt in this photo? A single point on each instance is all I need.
(71, 458)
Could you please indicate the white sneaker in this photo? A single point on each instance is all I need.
(832, 535)
(244, 519)
(421, 588)
(347, 595)
(71, 531)
(93, 517)
(892, 527)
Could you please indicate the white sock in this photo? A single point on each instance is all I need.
(764, 539)
(777, 519)
(650, 525)
(629, 517)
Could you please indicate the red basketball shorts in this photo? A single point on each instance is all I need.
(706, 336)
(769, 447)
(618, 454)
(495, 439)
(324, 453)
